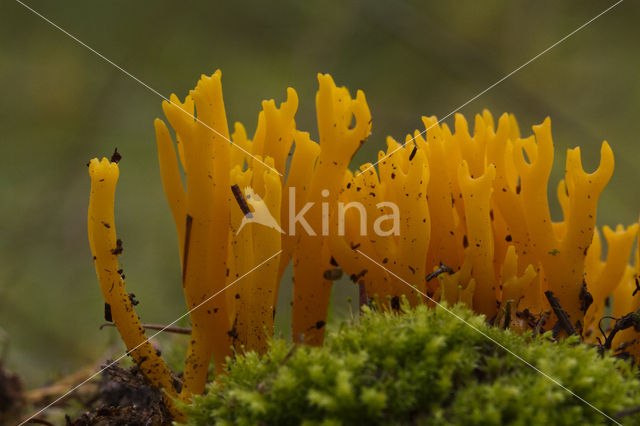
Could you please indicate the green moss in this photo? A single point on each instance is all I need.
(419, 367)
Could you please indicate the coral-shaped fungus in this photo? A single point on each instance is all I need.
(470, 210)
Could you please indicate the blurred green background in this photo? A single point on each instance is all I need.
(62, 105)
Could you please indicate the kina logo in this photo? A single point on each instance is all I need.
(260, 214)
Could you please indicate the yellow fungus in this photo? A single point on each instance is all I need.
(602, 277)
(461, 216)
(105, 249)
(338, 144)
(206, 162)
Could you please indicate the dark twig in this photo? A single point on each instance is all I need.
(625, 345)
(507, 314)
(563, 318)
(637, 289)
(543, 319)
(629, 320)
(242, 202)
(187, 240)
(170, 329)
(441, 270)
(600, 324)
(556, 329)
(527, 316)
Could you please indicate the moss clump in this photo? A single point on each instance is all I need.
(419, 367)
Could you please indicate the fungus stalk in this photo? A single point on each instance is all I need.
(105, 250)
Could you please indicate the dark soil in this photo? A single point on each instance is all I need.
(124, 398)
(11, 396)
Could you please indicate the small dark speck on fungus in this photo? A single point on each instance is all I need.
(119, 249)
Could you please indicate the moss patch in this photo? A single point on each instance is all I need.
(420, 367)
